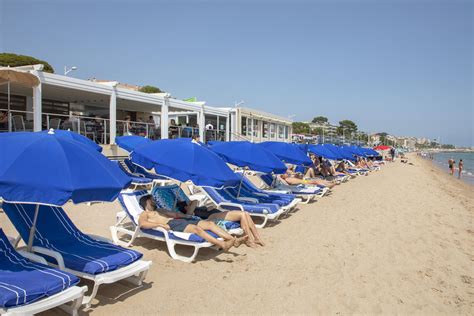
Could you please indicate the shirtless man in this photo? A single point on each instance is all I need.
(451, 163)
(153, 217)
(246, 222)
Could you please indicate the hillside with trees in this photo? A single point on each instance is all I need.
(14, 60)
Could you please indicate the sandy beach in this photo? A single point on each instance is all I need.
(399, 241)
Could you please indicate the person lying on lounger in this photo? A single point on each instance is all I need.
(153, 217)
(342, 167)
(294, 179)
(246, 222)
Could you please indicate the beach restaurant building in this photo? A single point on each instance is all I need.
(103, 110)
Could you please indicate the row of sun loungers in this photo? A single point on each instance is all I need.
(48, 274)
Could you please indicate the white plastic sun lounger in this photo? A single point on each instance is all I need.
(64, 246)
(132, 210)
(53, 288)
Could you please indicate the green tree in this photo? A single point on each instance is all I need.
(317, 131)
(150, 89)
(14, 60)
(320, 120)
(448, 146)
(346, 127)
(300, 128)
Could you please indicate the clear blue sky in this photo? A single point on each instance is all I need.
(404, 67)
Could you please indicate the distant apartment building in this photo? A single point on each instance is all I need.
(406, 142)
(328, 132)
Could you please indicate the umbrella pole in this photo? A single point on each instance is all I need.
(240, 185)
(33, 229)
(9, 116)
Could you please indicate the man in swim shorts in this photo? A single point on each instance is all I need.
(244, 218)
(153, 217)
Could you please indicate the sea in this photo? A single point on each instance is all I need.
(467, 175)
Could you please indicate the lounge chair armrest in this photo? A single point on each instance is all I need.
(32, 257)
(14, 241)
(197, 197)
(279, 191)
(99, 238)
(226, 206)
(51, 253)
(247, 199)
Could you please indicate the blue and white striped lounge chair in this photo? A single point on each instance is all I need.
(137, 170)
(306, 193)
(63, 245)
(247, 189)
(28, 286)
(130, 201)
(167, 195)
(137, 179)
(226, 201)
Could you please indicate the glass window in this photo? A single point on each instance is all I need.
(256, 130)
(265, 130)
(222, 123)
(280, 131)
(182, 120)
(210, 122)
(272, 130)
(193, 120)
(243, 126)
(286, 131)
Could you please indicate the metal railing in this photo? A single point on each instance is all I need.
(97, 128)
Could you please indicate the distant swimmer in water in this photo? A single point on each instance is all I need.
(451, 163)
(460, 167)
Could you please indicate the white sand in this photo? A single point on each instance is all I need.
(400, 241)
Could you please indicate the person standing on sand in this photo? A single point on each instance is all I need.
(451, 163)
(460, 167)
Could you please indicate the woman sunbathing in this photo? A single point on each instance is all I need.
(153, 217)
(295, 179)
(246, 222)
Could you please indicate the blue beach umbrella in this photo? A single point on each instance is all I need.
(340, 152)
(323, 151)
(130, 142)
(358, 150)
(247, 154)
(288, 153)
(370, 151)
(183, 161)
(354, 150)
(39, 168)
(74, 136)
(348, 152)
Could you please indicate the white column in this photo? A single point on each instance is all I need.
(37, 108)
(164, 118)
(251, 130)
(227, 128)
(113, 116)
(202, 123)
(29, 108)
